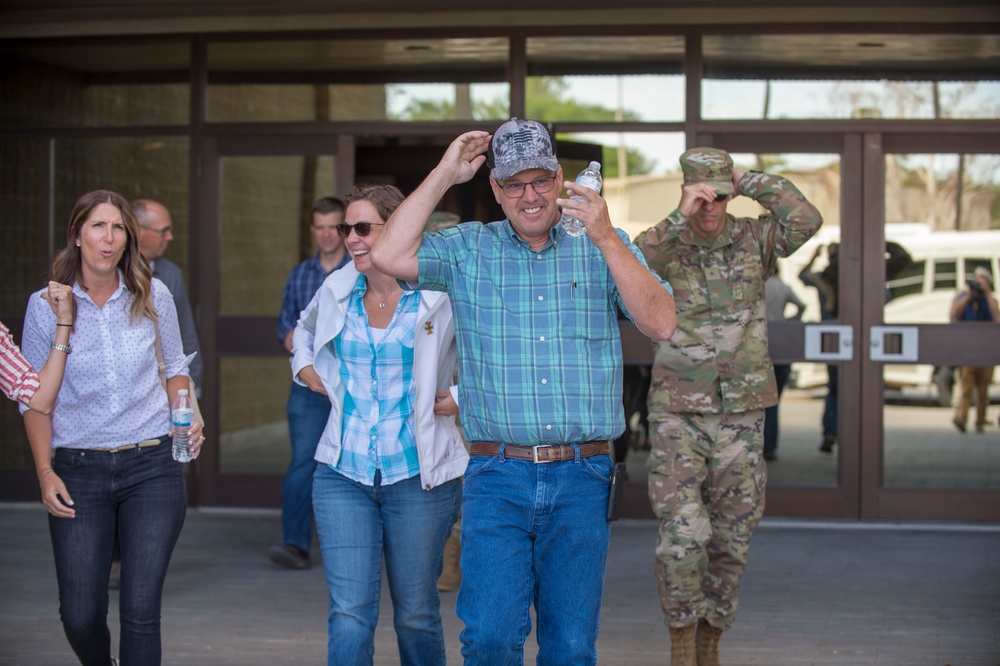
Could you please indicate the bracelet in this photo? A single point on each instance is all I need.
(70, 325)
(62, 348)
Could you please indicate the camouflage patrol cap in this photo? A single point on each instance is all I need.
(519, 145)
(708, 165)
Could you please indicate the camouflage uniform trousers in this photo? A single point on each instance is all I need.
(706, 485)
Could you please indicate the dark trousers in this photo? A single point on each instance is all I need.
(781, 374)
(141, 493)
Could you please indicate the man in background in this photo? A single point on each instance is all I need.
(155, 233)
(308, 411)
(977, 304)
(778, 295)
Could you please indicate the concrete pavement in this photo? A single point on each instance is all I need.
(815, 594)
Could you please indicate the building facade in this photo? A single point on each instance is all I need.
(238, 115)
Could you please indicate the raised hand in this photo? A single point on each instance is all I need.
(60, 299)
(465, 155)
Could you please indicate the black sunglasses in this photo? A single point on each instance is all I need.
(362, 229)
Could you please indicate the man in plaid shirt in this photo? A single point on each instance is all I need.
(540, 381)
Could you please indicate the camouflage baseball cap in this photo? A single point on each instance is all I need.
(708, 165)
(519, 145)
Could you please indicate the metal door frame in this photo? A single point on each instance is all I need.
(860, 493)
(842, 500)
(240, 336)
(937, 344)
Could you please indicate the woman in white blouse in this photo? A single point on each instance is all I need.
(391, 457)
(103, 457)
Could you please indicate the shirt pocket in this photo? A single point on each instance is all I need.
(690, 284)
(586, 307)
(747, 277)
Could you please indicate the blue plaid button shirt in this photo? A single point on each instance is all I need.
(376, 367)
(539, 351)
(303, 282)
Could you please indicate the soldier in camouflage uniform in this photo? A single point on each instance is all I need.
(711, 383)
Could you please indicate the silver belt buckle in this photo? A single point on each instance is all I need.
(534, 455)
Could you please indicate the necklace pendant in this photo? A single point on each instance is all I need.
(381, 305)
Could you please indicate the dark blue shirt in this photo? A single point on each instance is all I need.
(976, 309)
(303, 282)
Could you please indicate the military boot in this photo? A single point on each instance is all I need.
(451, 573)
(708, 644)
(682, 646)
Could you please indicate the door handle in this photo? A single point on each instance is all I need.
(893, 343)
(829, 342)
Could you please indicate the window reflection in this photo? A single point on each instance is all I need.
(448, 101)
(627, 98)
(253, 433)
(941, 208)
(605, 79)
(840, 100)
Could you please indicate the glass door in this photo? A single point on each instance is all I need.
(931, 393)
(254, 202)
(807, 477)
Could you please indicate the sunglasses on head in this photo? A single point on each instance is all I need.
(362, 229)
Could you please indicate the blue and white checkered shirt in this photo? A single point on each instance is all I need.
(303, 282)
(376, 367)
(539, 350)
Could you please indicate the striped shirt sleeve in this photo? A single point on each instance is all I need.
(17, 378)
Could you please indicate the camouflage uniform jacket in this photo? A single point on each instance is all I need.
(717, 360)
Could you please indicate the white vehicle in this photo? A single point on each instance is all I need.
(922, 293)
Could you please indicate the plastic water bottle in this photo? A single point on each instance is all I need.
(589, 177)
(181, 415)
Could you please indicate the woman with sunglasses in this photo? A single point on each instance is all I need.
(391, 457)
(103, 457)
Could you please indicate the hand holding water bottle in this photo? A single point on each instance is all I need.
(591, 210)
(590, 178)
(186, 430)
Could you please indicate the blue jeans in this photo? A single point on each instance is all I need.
(141, 491)
(533, 534)
(357, 524)
(308, 412)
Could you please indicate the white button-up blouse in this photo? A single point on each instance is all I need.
(111, 393)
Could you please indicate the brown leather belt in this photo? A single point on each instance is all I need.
(125, 447)
(540, 454)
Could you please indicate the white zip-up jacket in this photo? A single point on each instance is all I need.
(440, 452)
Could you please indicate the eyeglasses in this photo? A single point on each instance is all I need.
(516, 190)
(362, 229)
(163, 232)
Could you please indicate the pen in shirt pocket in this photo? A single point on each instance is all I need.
(572, 291)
